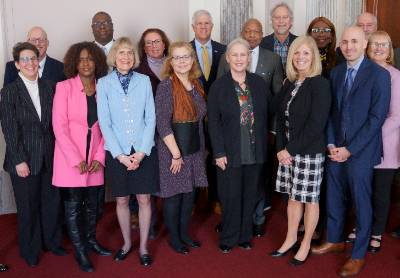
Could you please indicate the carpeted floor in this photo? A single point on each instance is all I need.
(204, 262)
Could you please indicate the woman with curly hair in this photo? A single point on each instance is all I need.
(79, 150)
(323, 32)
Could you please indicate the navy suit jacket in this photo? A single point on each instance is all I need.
(217, 51)
(53, 70)
(368, 105)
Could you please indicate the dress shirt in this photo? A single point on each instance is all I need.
(106, 48)
(33, 90)
(199, 50)
(356, 66)
(254, 58)
(41, 66)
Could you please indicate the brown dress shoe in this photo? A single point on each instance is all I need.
(328, 247)
(352, 267)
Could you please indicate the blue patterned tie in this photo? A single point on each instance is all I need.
(344, 109)
(349, 82)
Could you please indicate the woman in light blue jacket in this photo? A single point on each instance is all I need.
(127, 120)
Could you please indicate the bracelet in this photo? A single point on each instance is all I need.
(177, 158)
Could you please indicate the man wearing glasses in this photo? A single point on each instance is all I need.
(103, 31)
(281, 39)
(49, 68)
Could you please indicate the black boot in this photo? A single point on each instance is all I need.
(73, 212)
(91, 223)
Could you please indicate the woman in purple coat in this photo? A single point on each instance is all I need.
(180, 110)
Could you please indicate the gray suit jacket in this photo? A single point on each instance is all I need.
(269, 67)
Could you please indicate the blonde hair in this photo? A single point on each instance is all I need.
(315, 68)
(390, 58)
(121, 42)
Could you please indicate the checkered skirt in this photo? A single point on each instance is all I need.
(302, 180)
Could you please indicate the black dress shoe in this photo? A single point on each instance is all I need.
(3, 267)
(180, 249)
(374, 249)
(276, 253)
(121, 255)
(32, 262)
(218, 228)
(100, 250)
(225, 248)
(396, 233)
(296, 262)
(145, 259)
(192, 243)
(258, 230)
(59, 251)
(245, 245)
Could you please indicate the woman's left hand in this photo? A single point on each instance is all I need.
(94, 167)
(284, 157)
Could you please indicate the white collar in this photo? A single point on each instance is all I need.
(27, 81)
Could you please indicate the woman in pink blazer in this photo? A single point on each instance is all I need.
(79, 149)
(380, 50)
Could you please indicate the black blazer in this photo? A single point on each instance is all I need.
(224, 118)
(217, 51)
(28, 139)
(53, 70)
(308, 116)
(268, 41)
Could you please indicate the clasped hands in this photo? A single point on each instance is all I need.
(132, 162)
(284, 157)
(340, 154)
(92, 168)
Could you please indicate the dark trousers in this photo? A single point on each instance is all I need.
(261, 197)
(237, 188)
(38, 213)
(382, 185)
(356, 178)
(177, 214)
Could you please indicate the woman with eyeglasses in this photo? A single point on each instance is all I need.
(180, 110)
(380, 51)
(323, 32)
(152, 48)
(237, 123)
(127, 120)
(25, 114)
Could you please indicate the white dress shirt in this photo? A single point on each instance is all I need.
(254, 59)
(41, 66)
(33, 90)
(106, 48)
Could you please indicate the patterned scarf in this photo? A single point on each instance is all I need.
(124, 79)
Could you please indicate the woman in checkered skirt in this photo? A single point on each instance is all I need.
(301, 119)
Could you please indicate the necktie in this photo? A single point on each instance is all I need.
(206, 62)
(349, 82)
(252, 67)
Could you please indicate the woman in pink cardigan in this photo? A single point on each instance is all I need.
(79, 150)
(380, 50)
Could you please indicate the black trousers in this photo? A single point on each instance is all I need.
(237, 188)
(177, 214)
(38, 213)
(381, 188)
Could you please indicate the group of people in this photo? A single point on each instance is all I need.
(316, 122)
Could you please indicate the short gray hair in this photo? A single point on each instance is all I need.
(198, 13)
(284, 5)
(235, 42)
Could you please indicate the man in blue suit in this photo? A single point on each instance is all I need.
(361, 89)
(49, 68)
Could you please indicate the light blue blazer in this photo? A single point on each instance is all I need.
(126, 120)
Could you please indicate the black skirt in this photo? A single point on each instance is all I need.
(143, 180)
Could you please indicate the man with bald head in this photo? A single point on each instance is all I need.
(49, 68)
(361, 89)
(103, 31)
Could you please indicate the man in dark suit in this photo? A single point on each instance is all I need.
(361, 96)
(281, 39)
(268, 65)
(49, 68)
(208, 53)
(206, 48)
(103, 31)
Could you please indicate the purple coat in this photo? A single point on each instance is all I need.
(193, 172)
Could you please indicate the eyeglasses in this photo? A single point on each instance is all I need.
(37, 41)
(252, 32)
(182, 58)
(380, 45)
(321, 30)
(151, 43)
(26, 59)
(99, 24)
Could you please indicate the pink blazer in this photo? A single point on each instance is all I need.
(391, 127)
(70, 129)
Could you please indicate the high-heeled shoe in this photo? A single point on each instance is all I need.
(375, 249)
(145, 259)
(276, 253)
(296, 262)
(121, 254)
